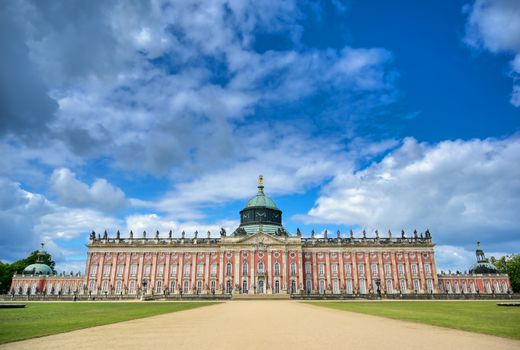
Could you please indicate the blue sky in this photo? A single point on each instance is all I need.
(160, 115)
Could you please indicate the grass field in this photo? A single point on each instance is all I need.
(474, 316)
(39, 319)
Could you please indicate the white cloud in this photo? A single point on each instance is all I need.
(463, 191)
(72, 192)
(495, 25)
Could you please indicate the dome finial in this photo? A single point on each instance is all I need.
(260, 184)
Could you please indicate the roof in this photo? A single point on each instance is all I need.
(483, 267)
(38, 269)
(261, 200)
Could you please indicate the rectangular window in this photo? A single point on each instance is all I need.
(147, 270)
(158, 288)
(349, 286)
(375, 270)
(388, 269)
(389, 287)
(293, 269)
(417, 285)
(402, 286)
(321, 268)
(200, 269)
(93, 270)
(429, 283)
(133, 269)
(414, 269)
(362, 286)
(348, 268)
(427, 269)
(187, 269)
(105, 286)
(334, 268)
(361, 269)
(118, 287)
(120, 269)
(307, 267)
(213, 269)
(107, 270)
(172, 287)
(131, 289)
(400, 268)
(160, 270)
(174, 270)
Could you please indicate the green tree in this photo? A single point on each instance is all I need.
(511, 265)
(8, 270)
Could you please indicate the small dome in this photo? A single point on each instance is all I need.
(483, 267)
(38, 269)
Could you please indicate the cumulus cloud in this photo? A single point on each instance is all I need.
(463, 191)
(72, 192)
(160, 86)
(494, 25)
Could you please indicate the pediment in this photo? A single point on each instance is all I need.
(261, 238)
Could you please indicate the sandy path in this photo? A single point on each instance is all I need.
(264, 325)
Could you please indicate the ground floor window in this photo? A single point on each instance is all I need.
(118, 287)
(277, 287)
(472, 287)
(33, 288)
(293, 287)
(228, 287)
(417, 285)
(322, 286)
(90, 286)
(172, 287)
(335, 287)
(131, 289)
(429, 283)
(244, 286)
(186, 287)
(389, 287)
(199, 287)
(49, 287)
(402, 286)
(261, 286)
(105, 286)
(362, 286)
(495, 285)
(213, 287)
(309, 286)
(349, 286)
(158, 287)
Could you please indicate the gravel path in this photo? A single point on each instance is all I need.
(266, 325)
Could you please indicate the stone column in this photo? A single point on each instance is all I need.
(269, 274)
(341, 271)
(285, 272)
(315, 286)
(221, 272)
(252, 282)
(180, 272)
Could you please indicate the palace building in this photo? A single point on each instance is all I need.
(262, 257)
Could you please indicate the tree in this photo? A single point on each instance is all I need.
(8, 270)
(511, 265)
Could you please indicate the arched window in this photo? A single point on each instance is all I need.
(118, 287)
(293, 269)
(276, 269)
(228, 269)
(244, 268)
(261, 267)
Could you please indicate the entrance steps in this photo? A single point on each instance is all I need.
(261, 297)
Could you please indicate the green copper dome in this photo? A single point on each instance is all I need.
(261, 200)
(38, 269)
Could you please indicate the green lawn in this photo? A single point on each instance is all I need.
(474, 316)
(39, 319)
